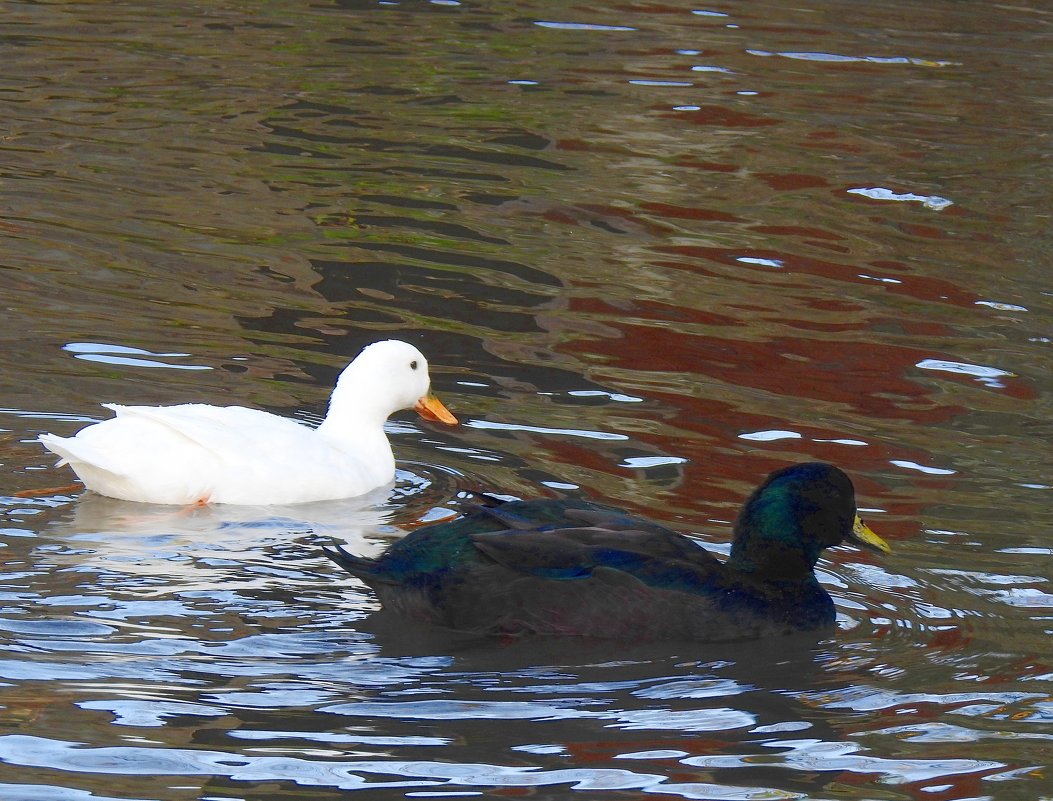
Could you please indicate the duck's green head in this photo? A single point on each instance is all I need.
(796, 513)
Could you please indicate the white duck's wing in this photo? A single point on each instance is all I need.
(268, 459)
(227, 432)
(177, 454)
(262, 458)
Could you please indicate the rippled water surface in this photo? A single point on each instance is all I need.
(652, 251)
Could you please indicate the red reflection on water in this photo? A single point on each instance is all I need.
(723, 116)
(689, 213)
(909, 282)
(950, 638)
(585, 751)
(791, 181)
(796, 230)
(870, 377)
(578, 453)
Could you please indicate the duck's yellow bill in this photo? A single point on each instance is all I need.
(862, 535)
(431, 408)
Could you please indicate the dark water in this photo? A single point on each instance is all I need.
(653, 251)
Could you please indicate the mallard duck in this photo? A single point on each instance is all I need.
(195, 453)
(571, 567)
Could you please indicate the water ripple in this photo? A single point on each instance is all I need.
(652, 252)
(817, 755)
(343, 774)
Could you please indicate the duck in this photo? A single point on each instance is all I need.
(572, 567)
(199, 454)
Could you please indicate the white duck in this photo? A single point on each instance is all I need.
(197, 454)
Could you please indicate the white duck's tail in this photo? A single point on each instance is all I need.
(82, 457)
(58, 446)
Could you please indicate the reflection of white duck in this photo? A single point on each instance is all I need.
(208, 546)
(195, 453)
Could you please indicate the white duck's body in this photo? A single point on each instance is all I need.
(196, 453)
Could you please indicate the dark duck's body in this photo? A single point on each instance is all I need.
(573, 567)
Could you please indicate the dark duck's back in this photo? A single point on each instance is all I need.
(573, 567)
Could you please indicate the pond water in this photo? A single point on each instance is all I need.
(653, 250)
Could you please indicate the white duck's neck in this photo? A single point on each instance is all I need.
(382, 379)
(355, 415)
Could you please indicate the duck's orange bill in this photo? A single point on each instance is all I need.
(431, 408)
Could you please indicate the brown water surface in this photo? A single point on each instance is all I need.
(652, 251)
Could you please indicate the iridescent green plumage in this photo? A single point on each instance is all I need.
(572, 567)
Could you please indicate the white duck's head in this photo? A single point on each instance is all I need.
(385, 377)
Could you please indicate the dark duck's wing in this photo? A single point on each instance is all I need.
(536, 566)
(573, 567)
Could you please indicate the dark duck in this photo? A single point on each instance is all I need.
(571, 567)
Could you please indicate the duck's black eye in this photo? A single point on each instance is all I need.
(413, 364)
